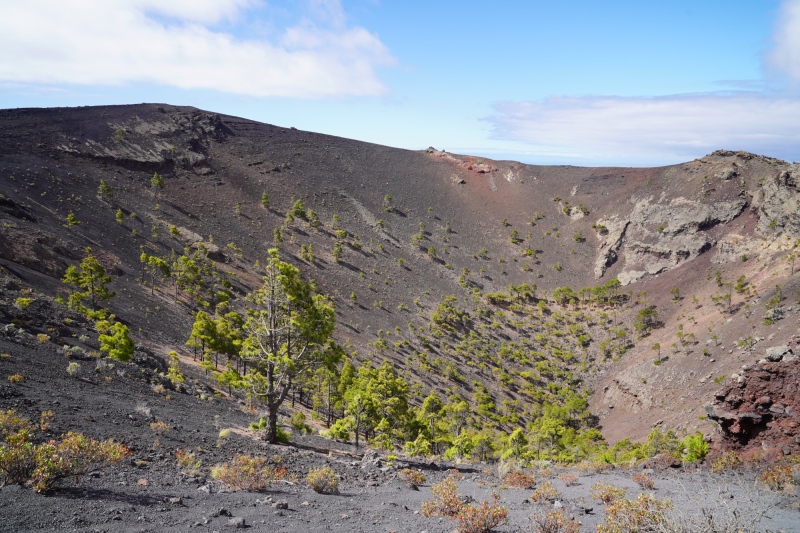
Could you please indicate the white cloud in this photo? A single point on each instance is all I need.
(117, 42)
(657, 130)
(785, 54)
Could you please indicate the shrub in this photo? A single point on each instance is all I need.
(607, 493)
(644, 481)
(259, 425)
(516, 479)
(729, 460)
(187, 461)
(42, 465)
(222, 437)
(554, 522)
(695, 447)
(74, 456)
(777, 477)
(569, 479)
(323, 480)
(44, 338)
(481, 518)
(16, 378)
(593, 467)
(73, 368)
(23, 302)
(413, 476)
(158, 427)
(545, 492)
(446, 501)
(643, 514)
(248, 473)
(298, 422)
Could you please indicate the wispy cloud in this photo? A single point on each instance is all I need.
(658, 129)
(175, 43)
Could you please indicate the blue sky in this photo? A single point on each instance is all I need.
(580, 82)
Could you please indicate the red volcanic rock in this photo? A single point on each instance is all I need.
(762, 408)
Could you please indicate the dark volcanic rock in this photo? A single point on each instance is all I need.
(762, 409)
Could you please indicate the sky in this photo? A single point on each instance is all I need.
(579, 82)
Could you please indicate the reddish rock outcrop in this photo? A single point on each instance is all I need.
(760, 407)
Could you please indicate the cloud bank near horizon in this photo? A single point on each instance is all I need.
(676, 128)
(179, 44)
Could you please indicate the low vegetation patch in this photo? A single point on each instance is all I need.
(546, 492)
(607, 493)
(188, 461)
(644, 480)
(323, 480)
(41, 466)
(481, 518)
(554, 522)
(413, 476)
(778, 477)
(519, 480)
(252, 474)
(568, 479)
(645, 513)
(446, 501)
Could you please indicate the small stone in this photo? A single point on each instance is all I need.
(281, 504)
(221, 512)
(237, 522)
(175, 501)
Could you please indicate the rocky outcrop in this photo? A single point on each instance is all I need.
(152, 141)
(610, 243)
(778, 203)
(658, 237)
(760, 407)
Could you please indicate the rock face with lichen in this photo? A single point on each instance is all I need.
(778, 203)
(760, 407)
(660, 236)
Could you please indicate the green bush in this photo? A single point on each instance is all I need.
(694, 447)
(22, 302)
(323, 480)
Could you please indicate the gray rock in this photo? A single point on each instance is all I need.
(371, 459)
(778, 203)
(777, 353)
(281, 504)
(237, 522)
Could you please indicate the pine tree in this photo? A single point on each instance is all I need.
(104, 190)
(337, 251)
(174, 372)
(157, 182)
(91, 280)
(287, 328)
(203, 331)
(115, 340)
